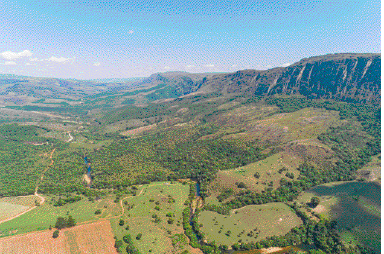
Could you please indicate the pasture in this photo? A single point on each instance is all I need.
(146, 213)
(88, 238)
(268, 170)
(356, 206)
(248, 224)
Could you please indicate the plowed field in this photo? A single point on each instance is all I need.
(88, 238)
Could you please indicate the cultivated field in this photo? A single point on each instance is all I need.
(248, 224)
(88, 238)
(11, 206)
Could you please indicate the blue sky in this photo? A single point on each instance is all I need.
(117, 39)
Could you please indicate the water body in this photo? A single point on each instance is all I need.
(88, 165)
(357, 211)
(198, 189)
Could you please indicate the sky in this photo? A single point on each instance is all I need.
(91, 39)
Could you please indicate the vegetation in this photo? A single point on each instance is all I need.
(56, 234)
(192, 137)
(65, 222)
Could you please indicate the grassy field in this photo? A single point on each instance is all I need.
(44, 216)
(267, 169)
(248, 224)
(156, 236)
(354, 205)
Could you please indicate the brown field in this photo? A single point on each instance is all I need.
(88, 238)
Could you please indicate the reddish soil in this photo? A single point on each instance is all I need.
(88, 238)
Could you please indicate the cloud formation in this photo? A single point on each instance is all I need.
(97, 64)
(131, 31)
(9, 55)
(286, 64)
(209, 65)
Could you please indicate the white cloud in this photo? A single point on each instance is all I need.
(167, 67)
(268, 66)
(9, 55)
(286, 64)
(234, 65)
(209, 65)
(190, 66)
(10, 63)
(58, 59)
(97, 64)
(131, 31)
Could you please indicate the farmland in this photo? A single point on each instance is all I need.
(88, 238)
(248, 224)
(42, 217)
(11, 206)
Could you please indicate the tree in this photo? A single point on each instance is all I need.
(55, 234)
(71, 222)
(121, 222)
(257, 175)
(60, 223)
(315, 201)
(241, 185)
(138, 237)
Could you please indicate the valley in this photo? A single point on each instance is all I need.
(126, 157)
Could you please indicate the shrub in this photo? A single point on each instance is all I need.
(55, 234)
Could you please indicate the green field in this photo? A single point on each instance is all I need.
(44, 216)
(354, 205)
(156, 236)
(248, 224)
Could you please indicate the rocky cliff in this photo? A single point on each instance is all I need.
(345, 77)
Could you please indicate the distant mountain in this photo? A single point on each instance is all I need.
(345, 77)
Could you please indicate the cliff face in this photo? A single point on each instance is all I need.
(345, 77)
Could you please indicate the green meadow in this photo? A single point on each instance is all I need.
(248, 224)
